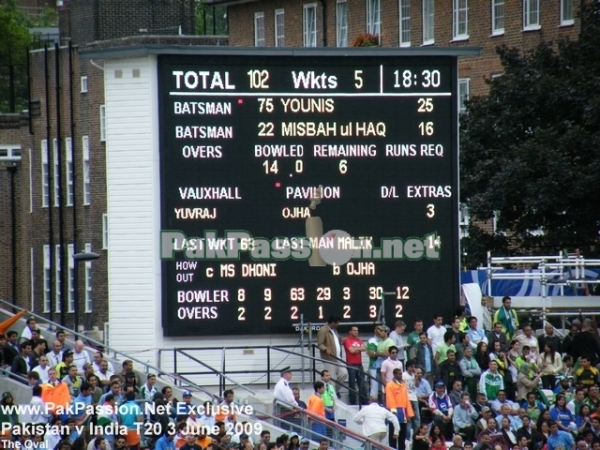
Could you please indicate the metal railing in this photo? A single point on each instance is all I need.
(334, 431)
(267, 370)
(175, 378)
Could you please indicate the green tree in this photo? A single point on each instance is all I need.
(14, 43)
(530, 149)
(211, 20)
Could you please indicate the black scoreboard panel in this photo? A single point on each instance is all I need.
(304, 187)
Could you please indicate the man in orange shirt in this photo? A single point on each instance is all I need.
(316, 406)
(396, 400)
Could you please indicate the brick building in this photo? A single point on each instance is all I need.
(406, 23)
(53, 166)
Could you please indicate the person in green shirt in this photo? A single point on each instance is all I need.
(413, 339)
(381, 353)
(442, 350)
(371, 351)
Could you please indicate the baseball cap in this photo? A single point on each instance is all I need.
(439, 384)
(305, 441)
(186, 394)
(6, 395)
(485, 409)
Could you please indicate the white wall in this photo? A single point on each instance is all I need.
(133, 198)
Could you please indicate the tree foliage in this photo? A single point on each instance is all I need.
(14, 42)
(530, 149)
(211, 20)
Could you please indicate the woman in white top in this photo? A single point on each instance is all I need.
(550, 363)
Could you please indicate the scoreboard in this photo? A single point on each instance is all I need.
(306, 186)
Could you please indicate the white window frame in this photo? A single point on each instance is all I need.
(88, 281)
(428, 22)
(32, 276)
(102, 123)
(341, 23)
(309, 34)
(84, 85)
(279, 28)
(105, 231)
(463, 220)
(531, 10)
(85, 151)
(464, 89)
(374, 17)
(404, 22)
(69, 170)
(45, 175)
(460, 10)
(71, 279)
(55, 172)
(496, 6)
(57, 281)
(259, 29)
(46, 277)
(564, 6)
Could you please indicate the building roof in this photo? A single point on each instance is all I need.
(127, 50)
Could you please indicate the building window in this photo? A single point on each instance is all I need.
(102, 123)
(463, 93)
(32, 276)
(428, 22)
(460, 14)
(10, 153)
(71, 279)
(259, 29)
(310, 25)
(279, 28)
(88, 281)
(69, 170)
(404, 8)
(85, 148)
(566, 12)
(497, 17)
(374, 17)
(56, 171)
(57, 281)
(104, 231)
(341, 23)
(463, 221)
(46, 279)
(45, 175)
(84, 85)
(531, 14)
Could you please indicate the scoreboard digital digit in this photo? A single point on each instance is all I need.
(306, 186)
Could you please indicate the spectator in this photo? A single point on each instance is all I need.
(73, 380)
(507, 318)
(80, 357)
(316, 407)
(475, 335)
(148, 390)
(354, 346)
(37, 350)
(328, 396)
(20, 364)
(470, 371)
(464, 418)
(455, 393)
(409, 377)
(502, 400)
(42, 368)
(420, 439)
(422, 388)
(11, 349)
(436, 332)
(586, 374)
(372, 345)
(283, 392)
(413, 339)
(62, 369)
(389, 365)
(533, 407)
(449, 370)
(558, 439)
(425, 358)
(399, 342)
(528, 339)
(98, 358)
(127, 367)
(463, 342)
(397, 401)
(441, 408)
(525, 384)
(491, 381)
(567, 343)
(509, 436)
(130, 414)
(577, 402)
(104, 374)
(330, 345)
(81, 403)
(481, 356)
(442, 349)
(586, 343)
(373, 419)
(55, 355)
(593, 399)
(550, 338)
(533, 437)
(8, 409)
(27, 333)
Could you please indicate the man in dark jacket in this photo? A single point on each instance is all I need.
(20, 365)
(449, 371)
(586, 343)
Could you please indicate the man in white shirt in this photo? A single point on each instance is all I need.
(373, 419)
(80, 357)
(409, 379)
(283, 391)
(388, 366)
(42, 369)
(103, 374)
(475, 335)
(98, 358)
(435, 333)
(399, 341)
(27, 332)
(527, 338)
(55, 356)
